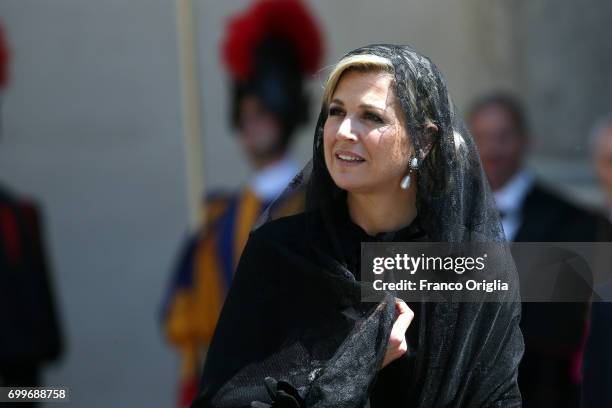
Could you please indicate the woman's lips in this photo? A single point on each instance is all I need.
(348, 158)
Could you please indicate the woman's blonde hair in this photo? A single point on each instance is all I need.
(358, 62)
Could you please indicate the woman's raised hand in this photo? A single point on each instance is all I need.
(397, 345)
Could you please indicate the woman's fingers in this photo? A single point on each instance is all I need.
(397, 345)
(404, 316)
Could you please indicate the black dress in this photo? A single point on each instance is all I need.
(293, 314)
(390, 388)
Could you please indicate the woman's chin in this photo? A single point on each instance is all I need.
(350, 184)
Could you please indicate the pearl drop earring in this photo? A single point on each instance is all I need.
(414, 165)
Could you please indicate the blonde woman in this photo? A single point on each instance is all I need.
(391, 163)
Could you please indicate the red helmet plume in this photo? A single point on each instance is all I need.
(287, 19)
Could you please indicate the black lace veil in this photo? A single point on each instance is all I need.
(468, 353)
(454, 201)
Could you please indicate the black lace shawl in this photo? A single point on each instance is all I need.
(293, 330)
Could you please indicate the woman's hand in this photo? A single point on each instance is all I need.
(397, 345)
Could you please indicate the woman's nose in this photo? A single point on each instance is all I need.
(346, 130)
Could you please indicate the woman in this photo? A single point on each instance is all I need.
(293, 331)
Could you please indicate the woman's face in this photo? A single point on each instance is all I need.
(366, 145)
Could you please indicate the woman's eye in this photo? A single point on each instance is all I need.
(373, 117)
(335, 111)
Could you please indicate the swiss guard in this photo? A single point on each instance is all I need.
(269, 50)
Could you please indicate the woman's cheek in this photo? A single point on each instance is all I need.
(397, 161)
(402, 147)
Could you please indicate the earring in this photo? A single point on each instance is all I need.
(414, 165)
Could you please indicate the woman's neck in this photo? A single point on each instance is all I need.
(383, 212)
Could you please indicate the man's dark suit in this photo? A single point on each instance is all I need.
(597, 388)
(553, 332)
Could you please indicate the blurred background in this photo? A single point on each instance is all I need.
(92, 127)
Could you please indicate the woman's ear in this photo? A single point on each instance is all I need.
(430, 136)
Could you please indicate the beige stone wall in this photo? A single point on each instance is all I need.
(557, 55)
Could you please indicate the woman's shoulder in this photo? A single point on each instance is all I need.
(289, 229)
(286, 235)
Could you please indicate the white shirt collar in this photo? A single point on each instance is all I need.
(509, 201)
(510, 197)
(270, 181)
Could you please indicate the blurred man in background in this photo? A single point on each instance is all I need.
(554, 333)
(597, 390)
(29, 328)
(601, 140)
(268, 49)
